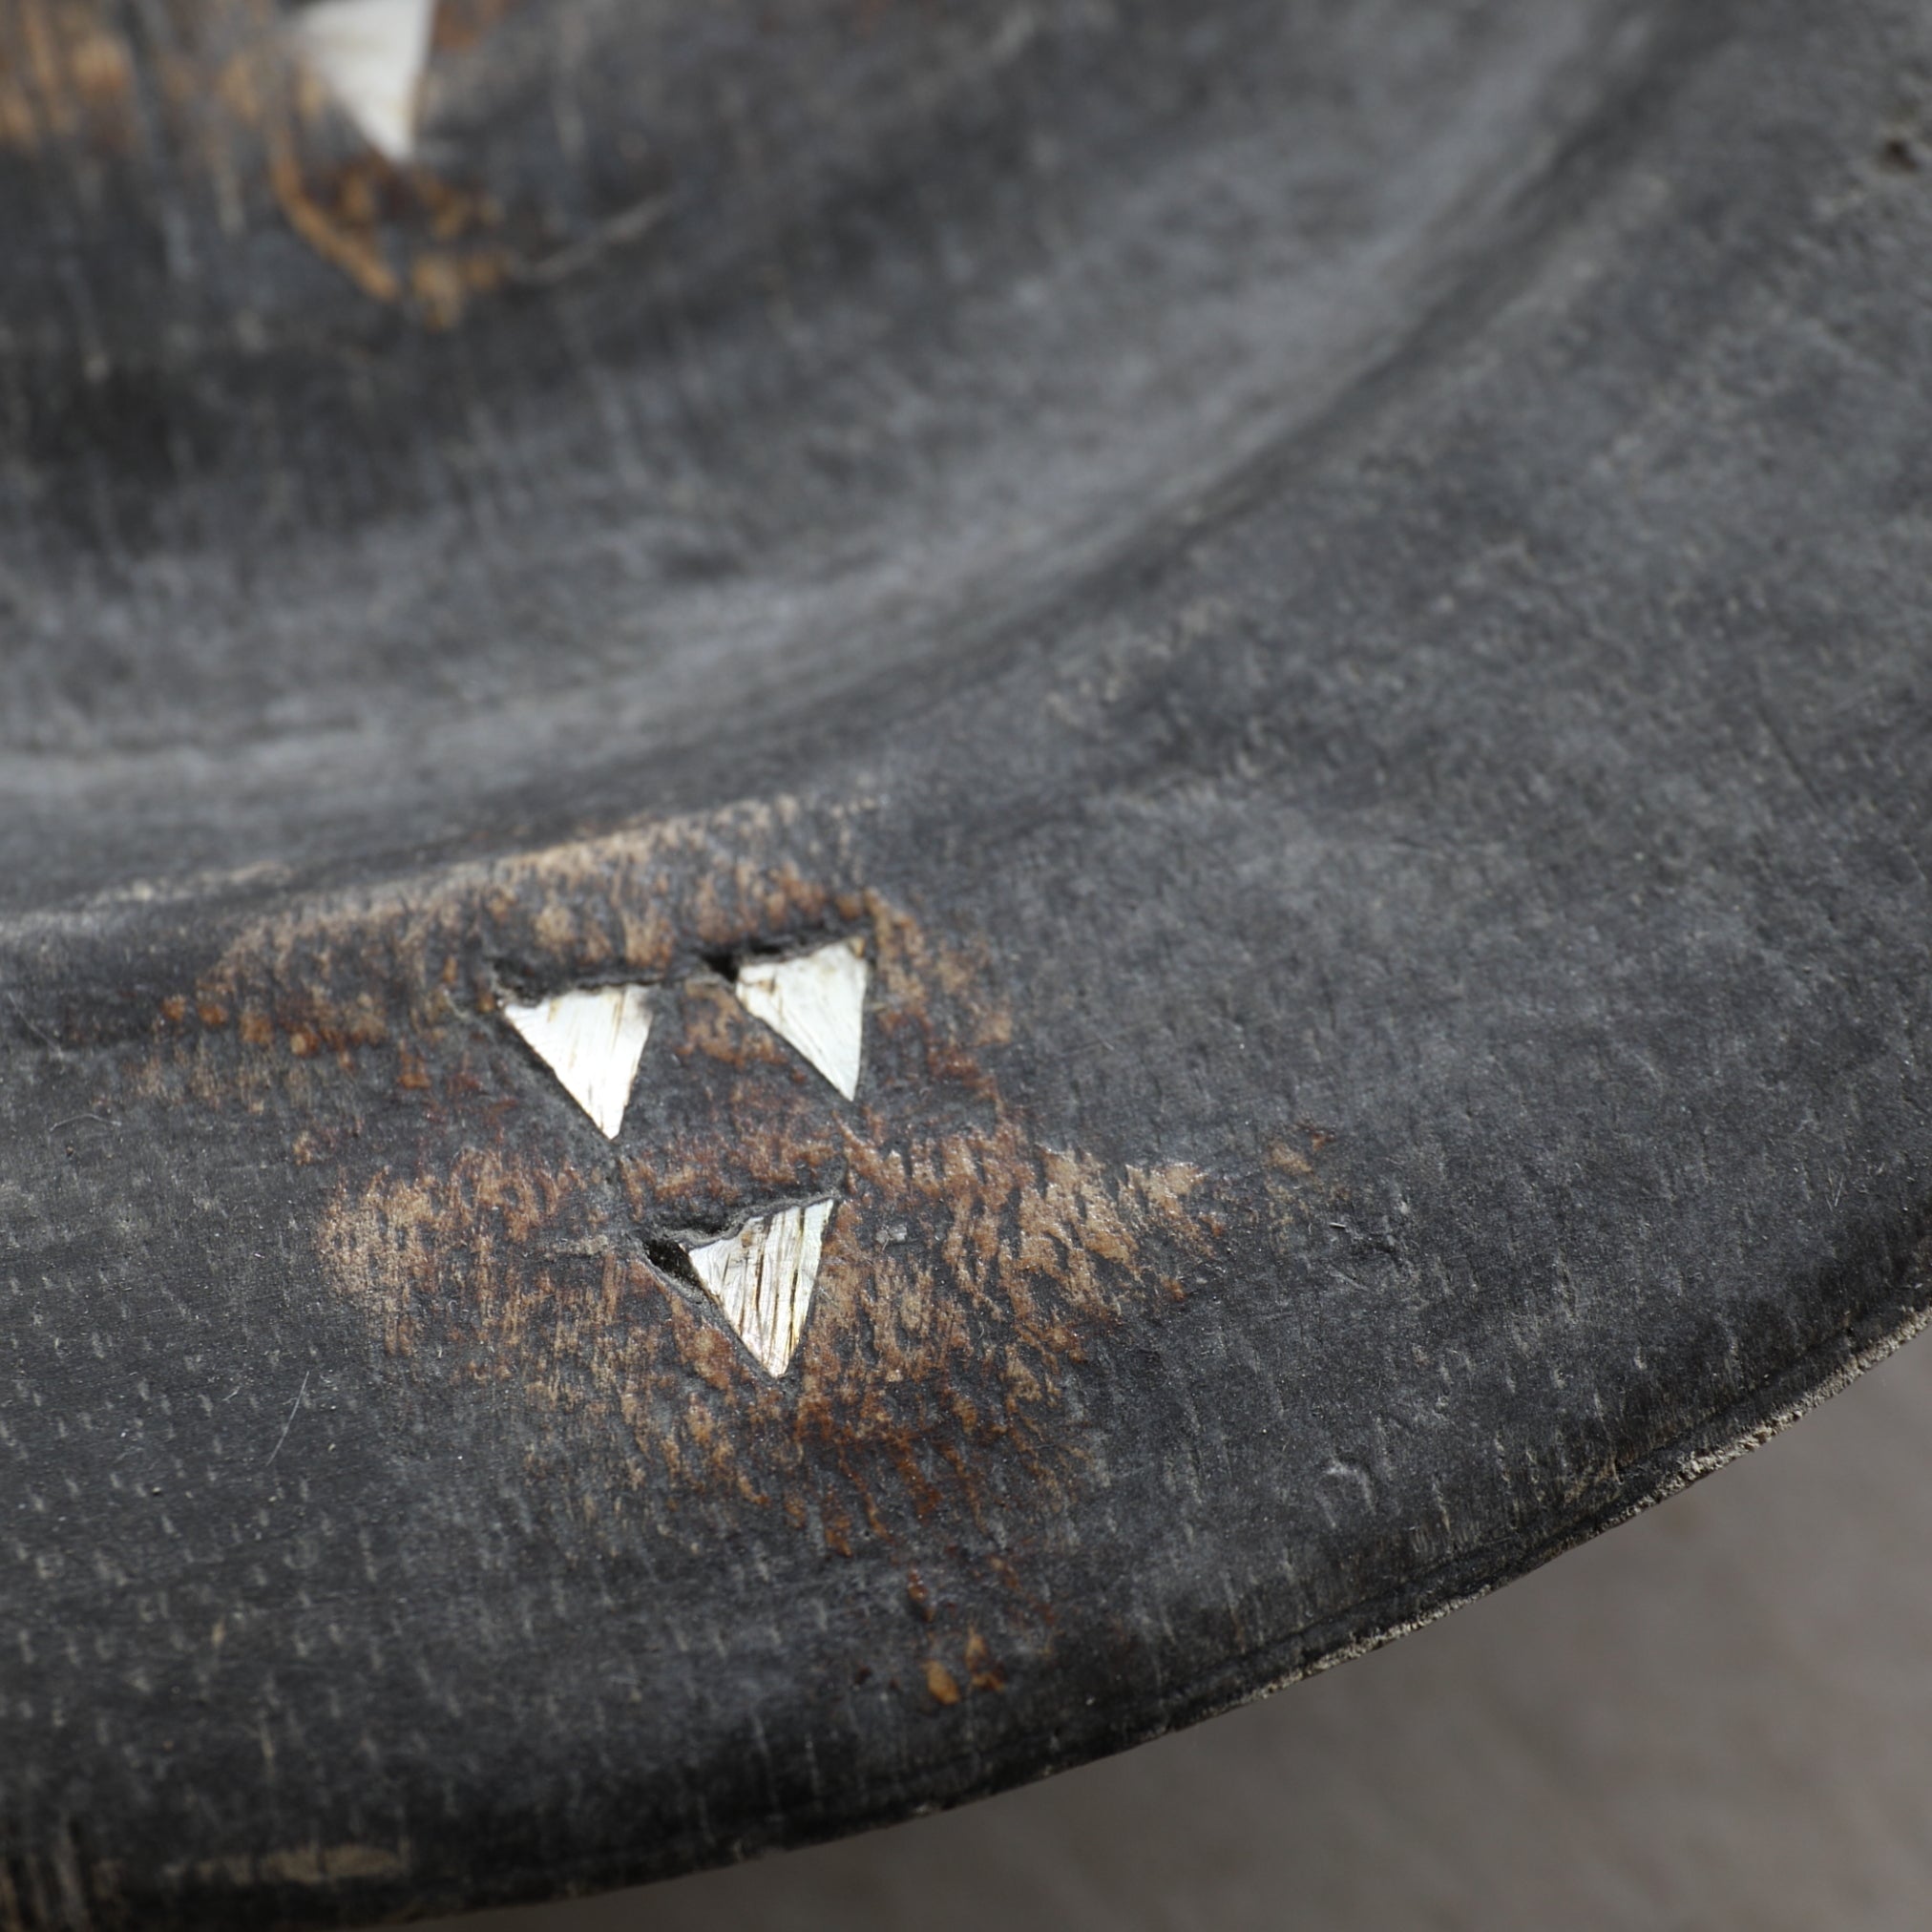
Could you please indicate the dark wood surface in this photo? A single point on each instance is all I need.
(1335, 595)
(1716, 1715)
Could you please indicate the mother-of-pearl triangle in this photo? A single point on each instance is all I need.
(818, 1004)
(762, 1278)
(591, 1039)
(371, 55)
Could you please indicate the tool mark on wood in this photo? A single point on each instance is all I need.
(294, 1410)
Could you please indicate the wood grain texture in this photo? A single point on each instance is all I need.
(1335, 598)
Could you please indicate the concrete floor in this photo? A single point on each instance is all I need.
(1718, 1715)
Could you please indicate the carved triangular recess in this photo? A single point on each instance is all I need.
(762, 1276)
(371, 55)
(592, 1041)
(818, 1003)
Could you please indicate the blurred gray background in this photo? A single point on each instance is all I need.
(1718, 1715)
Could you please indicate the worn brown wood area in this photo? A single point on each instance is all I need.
(1330, 601)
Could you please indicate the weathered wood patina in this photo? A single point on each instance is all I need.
(884, 890)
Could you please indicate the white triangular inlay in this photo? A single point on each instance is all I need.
(762, 1276)
(592, 1041)
(818, 1003)
(371, 55)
